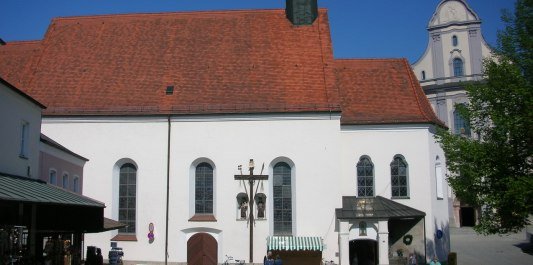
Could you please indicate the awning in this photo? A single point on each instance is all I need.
(375, 208)
(110, 224)
(21, 189)
(30, 202)
(295, 243)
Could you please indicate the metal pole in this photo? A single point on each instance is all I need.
(251, 219)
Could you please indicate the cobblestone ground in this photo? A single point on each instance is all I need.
(474, 249)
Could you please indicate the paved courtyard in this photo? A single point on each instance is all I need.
(474, 249)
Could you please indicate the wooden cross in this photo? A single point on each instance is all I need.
(251, 180)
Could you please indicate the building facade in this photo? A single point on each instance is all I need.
(59, 166)
(21, 126)
(170, 107)
(453, 59)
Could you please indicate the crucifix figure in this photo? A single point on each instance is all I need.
(251, 181)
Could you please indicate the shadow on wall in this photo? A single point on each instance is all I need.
(439, 245)
(406, 237)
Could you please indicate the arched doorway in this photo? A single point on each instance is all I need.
(202, 250)
(363, 252)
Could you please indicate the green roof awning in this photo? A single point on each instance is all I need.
(21, 189)
(295, 243)
(31, 202)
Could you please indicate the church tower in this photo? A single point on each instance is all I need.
(453, 58)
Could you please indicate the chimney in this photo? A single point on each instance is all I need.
(301, 12)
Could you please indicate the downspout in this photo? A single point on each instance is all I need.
(425, 242)
(168, 189)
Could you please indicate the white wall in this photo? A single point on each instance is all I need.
(14, 111)
(310, 142)
(323, 155)
(381, 144)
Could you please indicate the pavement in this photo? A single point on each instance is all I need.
(474, 249)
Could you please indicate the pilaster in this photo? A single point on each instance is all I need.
(344, 243)
(383, 242)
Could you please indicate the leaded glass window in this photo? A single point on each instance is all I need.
(458, 67)
(399, 177)
(455, 41)
(282, 199)
(127, 198)
(365, 177)
(203, 195)
(460, 124)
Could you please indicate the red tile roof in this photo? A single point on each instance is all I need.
(16, 58)
(381, 91)
(218, 62)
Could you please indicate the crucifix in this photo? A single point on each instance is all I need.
(251, 181)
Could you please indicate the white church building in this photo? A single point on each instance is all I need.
(453, 59)
(170, 107)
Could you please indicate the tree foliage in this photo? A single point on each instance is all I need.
(494, 169)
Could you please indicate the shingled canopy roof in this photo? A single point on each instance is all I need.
(374, 208)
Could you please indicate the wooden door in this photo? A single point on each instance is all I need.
(202, 249)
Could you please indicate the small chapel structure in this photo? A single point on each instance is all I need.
(170, 107)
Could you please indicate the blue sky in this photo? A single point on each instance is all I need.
(360, 28)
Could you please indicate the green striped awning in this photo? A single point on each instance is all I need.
(295, 243)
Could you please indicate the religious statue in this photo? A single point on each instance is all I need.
(244, 209)
(260, 210)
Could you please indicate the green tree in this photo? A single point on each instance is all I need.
(494, 169)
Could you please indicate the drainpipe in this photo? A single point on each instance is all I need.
(168, 187)
(425, 242)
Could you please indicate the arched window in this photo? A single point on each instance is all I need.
(455, 41)
(75, 184)
(458, 67)
(423, 75)
(460, 124)
(365, 177)
(53, 177)
(65, 181)
(282, 199)
(127, 195)
(399, 177)
(203, 193)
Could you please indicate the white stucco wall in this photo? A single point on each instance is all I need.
(416, 144)
(311, 143)
(322, 156)
(15, 110)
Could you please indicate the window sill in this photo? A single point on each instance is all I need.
(121, 237)
(400, 198)
(23, 157)
(203, 218)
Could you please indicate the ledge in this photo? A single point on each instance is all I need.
(203, 218)
(121, 237)
(401, 198)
